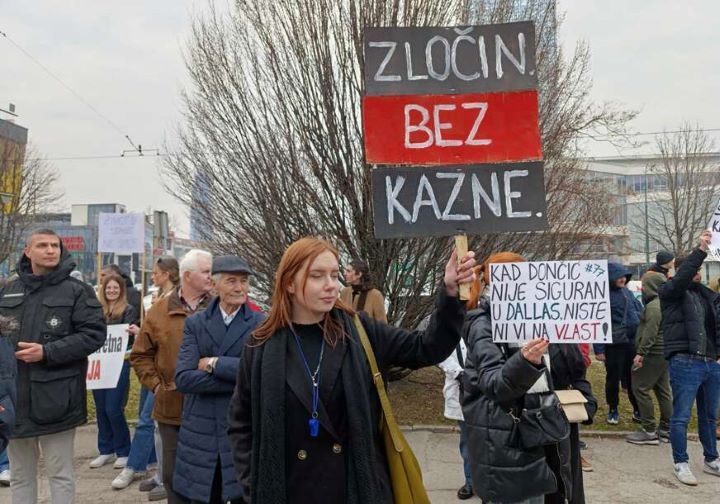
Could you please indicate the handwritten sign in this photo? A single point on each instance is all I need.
(561, 301)
(461, 99)
(714, 226)
(122, 233)
(105, 364)
(476, 198)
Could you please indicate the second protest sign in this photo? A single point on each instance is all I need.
(561, 301)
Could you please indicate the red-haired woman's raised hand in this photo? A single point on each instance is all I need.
(456, 274)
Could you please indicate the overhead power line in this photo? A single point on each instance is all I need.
(71, 90)
(649, 133)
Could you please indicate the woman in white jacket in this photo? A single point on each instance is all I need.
(453, 367)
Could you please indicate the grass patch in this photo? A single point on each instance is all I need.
(418, 400)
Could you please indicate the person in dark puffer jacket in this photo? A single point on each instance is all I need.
(499, 377)
(691, 335)
(618, 355)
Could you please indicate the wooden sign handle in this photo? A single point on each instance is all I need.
(461, 248)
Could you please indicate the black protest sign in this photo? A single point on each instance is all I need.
(438, 201)
(455, 60)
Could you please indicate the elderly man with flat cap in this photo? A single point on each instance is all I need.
(206, 371)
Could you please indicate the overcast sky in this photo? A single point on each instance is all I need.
(124, 58)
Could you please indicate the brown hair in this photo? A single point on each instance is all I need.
(482, 274)
(170, 266)
(119, 307)
(298, 257)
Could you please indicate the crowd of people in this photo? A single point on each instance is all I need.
(238, 405)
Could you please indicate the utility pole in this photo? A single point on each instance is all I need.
(647, 232)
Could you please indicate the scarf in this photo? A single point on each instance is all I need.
(364, 474)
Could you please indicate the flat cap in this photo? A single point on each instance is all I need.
(231, 264)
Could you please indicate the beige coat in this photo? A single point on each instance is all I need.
(374, 303)
(155, 352)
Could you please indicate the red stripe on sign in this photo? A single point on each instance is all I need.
(452, 129)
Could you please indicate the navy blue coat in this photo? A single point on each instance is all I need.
(203, 431)
(625, 310)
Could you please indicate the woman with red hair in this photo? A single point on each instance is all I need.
(304, 420)
(500, 380)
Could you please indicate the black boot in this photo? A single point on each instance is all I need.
(465, 492)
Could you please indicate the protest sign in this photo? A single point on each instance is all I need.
(451, 95)
(561, 301)
(121, 233)
(445, 110)
(714, 227)
(105, 365)
(477, 199)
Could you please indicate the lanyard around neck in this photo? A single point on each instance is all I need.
(313, 422)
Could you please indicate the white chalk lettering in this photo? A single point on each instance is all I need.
(421, 127)
(482, 107)
(478, 192)
(439, 126)
(501, 48)
(431, 63)
(392, 201)
(459, 179)
(408, 62)
(379, 74)
(511, 195)
(453, 55)
(425, 187)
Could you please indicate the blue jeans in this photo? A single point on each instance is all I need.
(113, 432)
(694, 380)
(465, 454)
(142, 448)
(4, 461)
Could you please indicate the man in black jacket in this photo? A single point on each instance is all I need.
(59, 323)
(691, 335)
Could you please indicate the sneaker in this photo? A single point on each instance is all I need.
(148, 484)
(101, 461)
(125, 477)
(663, 435)
(613, 418)
(712, 467)
(642, 437)
(684, 474)
(636, 417)
(120, 463)
(152, 467)
(717, 432)
(157, 493)
(585, 464)
(465, 492)
(5, 478)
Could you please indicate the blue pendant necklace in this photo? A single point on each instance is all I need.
(313, 422)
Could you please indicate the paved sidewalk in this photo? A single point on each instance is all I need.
(623, 473)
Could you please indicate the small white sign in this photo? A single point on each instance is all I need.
(105, 365)
(560, 301)
(121, 233)
(714, 226)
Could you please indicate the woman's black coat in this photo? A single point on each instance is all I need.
(276, 459)
(496, 379)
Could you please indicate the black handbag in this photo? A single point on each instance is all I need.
(543, 425)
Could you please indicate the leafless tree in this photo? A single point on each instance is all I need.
(30, 184)
(271, 145)
(688, 173)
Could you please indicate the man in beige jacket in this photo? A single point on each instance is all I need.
(156, 348)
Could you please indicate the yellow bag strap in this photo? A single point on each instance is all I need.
(390, 421)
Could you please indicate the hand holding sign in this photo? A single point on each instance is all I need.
(534, 350)
(459, 274)
(705, 239)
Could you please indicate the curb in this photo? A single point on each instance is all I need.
(585, 434)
